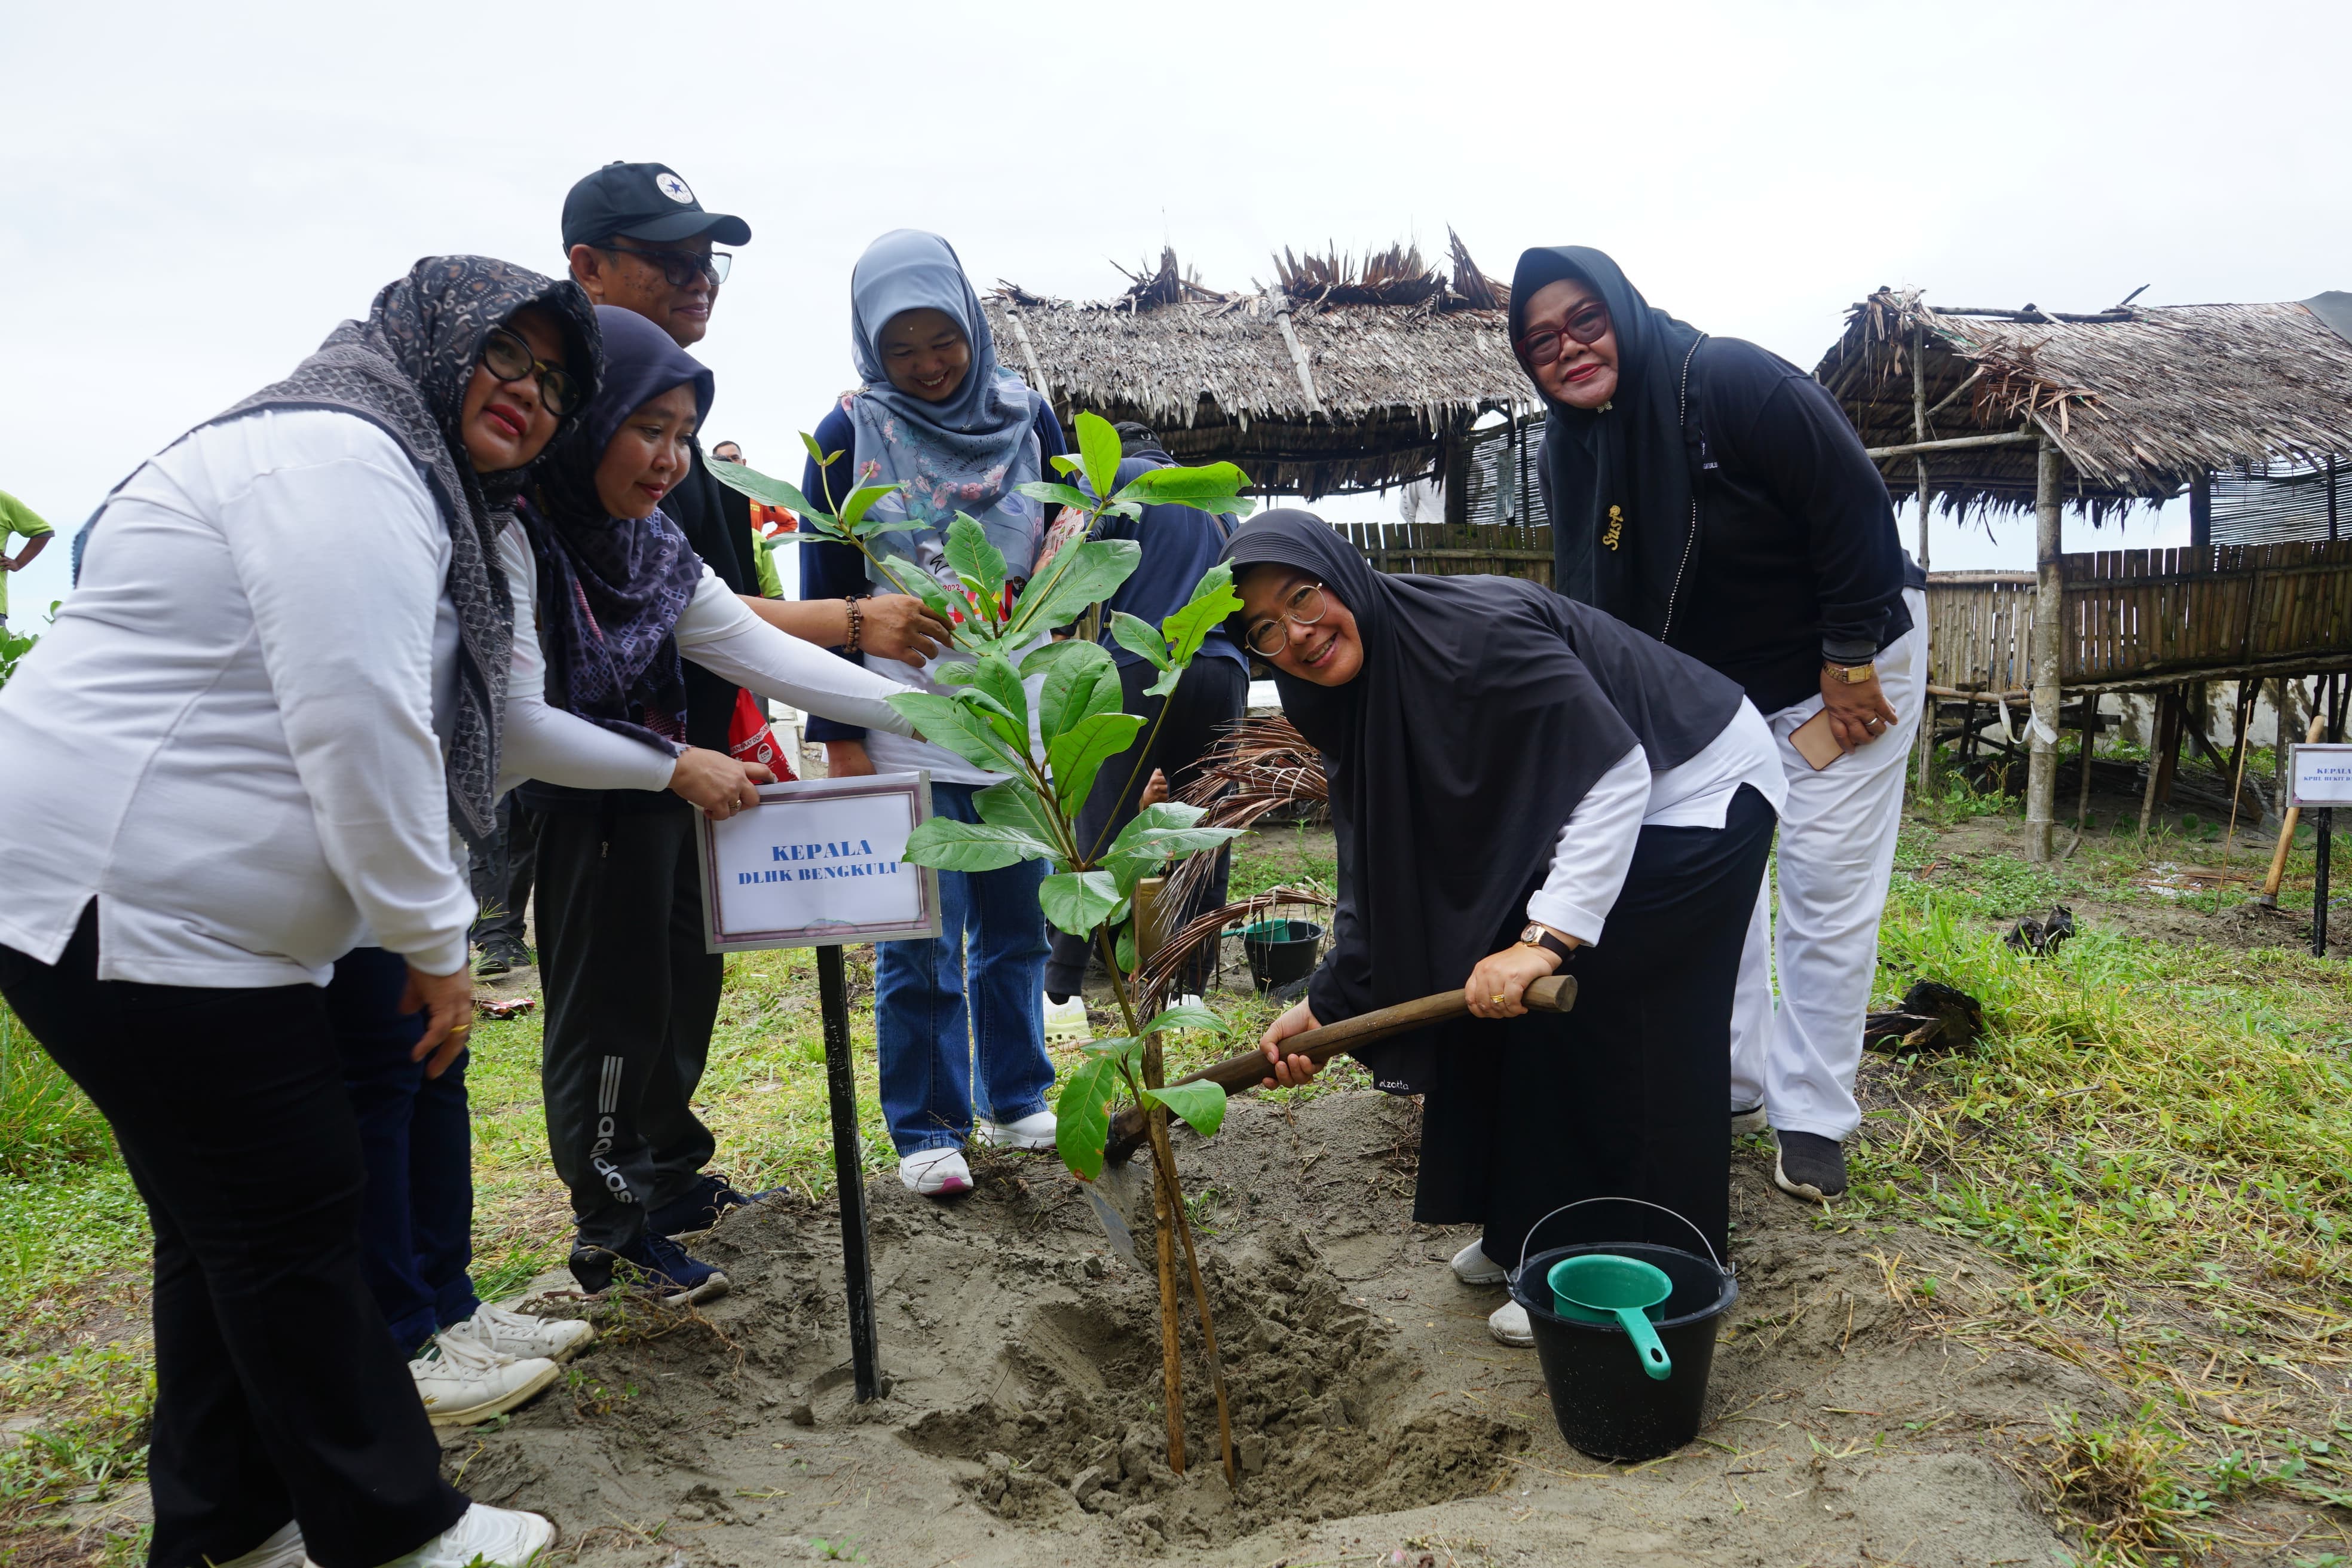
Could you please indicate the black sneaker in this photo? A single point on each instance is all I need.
(491, 961)
(1810, 1167)
(701, 1205)
(656, 1265)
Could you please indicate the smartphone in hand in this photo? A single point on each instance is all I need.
(1816, 741)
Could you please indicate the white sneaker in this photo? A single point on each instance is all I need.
(1188, 1002)
(1065, 1022)
(1744, 1123)
(1508, 1323)
(462, 1382)
(520, 1335)
(282, 1550)
(1473, 1266)
(1034, 1132)
(494, 1537)
(936, 1173)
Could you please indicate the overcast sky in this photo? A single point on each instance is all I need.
(192, 195)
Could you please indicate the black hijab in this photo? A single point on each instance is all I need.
(1632, 455)
(405, 370)
(1486, 709)
(611, 589)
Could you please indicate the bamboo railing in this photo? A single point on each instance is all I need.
(1453, 549)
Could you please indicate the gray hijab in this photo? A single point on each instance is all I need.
(968, 454)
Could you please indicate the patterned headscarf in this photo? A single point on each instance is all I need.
(611, 589)
(968, 454)
(405, 368)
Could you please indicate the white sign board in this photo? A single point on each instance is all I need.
(2320, 775)
(819, 863)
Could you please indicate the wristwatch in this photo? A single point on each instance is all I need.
(1537, 936)
(1851, 674)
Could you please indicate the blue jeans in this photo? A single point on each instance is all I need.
(978, 985)
(416, 1215)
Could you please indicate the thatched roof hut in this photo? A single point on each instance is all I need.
(2141, 401)
(1345, 373)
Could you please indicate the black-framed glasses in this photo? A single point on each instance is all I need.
(682, 267)
(1588, 325)
(1304, 607)
(506, 355)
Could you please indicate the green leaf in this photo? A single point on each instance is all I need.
(750, 481)
(955, 672)
(1167, 681)
(1082, 1115)
(1078, 575)
(996, 678)
(1098, 452)
(914, 580)
(1125, 953)
(1060, 495)
(1192, 1017)
(1079, 751)
(952, 845)
(1012, 730)
(1134, 634)
(1160, 833)
(1199, 1106)
(1064, 464)
(973, 558)
(1212, 601)
(960, 726)
(1203, 486)
(1042, 660)
(815, 452)
(861, 502)
(1077, 688)
(1076, 902)
(1013, 804)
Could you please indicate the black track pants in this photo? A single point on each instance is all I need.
(631, 1000)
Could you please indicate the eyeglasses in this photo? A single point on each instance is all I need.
(1588, 326)
(682, 267)
(1303, 608)
(507, 356)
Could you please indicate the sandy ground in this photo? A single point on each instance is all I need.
(1374, 1412)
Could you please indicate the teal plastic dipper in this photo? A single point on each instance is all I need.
(1601, 1287)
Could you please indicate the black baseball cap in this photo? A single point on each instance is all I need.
(645, 201)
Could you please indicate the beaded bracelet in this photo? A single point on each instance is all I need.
(856, 624)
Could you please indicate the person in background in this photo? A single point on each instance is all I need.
(17, 521)
(1180, 544)
(229, 674)
(770, 526)
(958, 1021)
(638, 238)
(501, 870)
(1715, 496)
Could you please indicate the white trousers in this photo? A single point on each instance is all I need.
(1798, 1056)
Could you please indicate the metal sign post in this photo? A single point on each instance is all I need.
(848, 1170)
(2319, 780)
(816, 864)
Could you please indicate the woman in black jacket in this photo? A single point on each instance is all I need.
(1713, 495)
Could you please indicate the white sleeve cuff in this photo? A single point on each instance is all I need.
(1563, 915)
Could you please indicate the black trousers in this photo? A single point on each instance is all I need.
(631, 1000)
(501, 870)
(1213, 693)
(278, 1391)
(417, 1223)
(1623, 1096)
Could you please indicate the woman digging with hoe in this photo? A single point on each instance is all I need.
(1518, 783)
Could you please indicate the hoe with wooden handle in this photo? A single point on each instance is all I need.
(1240, 1073)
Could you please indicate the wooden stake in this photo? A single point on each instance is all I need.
(2159, 717)
(2270, 892)
(1163, 1198)
(2049, 619)
(1163, 1159)
(2090, 740)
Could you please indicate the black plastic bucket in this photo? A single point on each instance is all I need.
(1280, 952)
(1606, 1405)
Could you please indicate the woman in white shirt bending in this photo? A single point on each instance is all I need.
(281, 678)
(1519, 782)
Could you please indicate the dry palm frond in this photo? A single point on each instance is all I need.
(1168, 285)
(1161, 969)
(1261, 766)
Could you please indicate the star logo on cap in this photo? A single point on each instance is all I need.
(673, 187)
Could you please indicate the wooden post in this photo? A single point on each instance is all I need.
(849, 1172)
(2158, 717)
(2200, 511)
(1919, 429)
(2090, 740)
(2049, 617)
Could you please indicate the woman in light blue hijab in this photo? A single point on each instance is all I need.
(937, 414)
(958, 1021)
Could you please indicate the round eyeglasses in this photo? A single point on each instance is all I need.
(507, 356)
(1304, 607)
(1588, 324)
